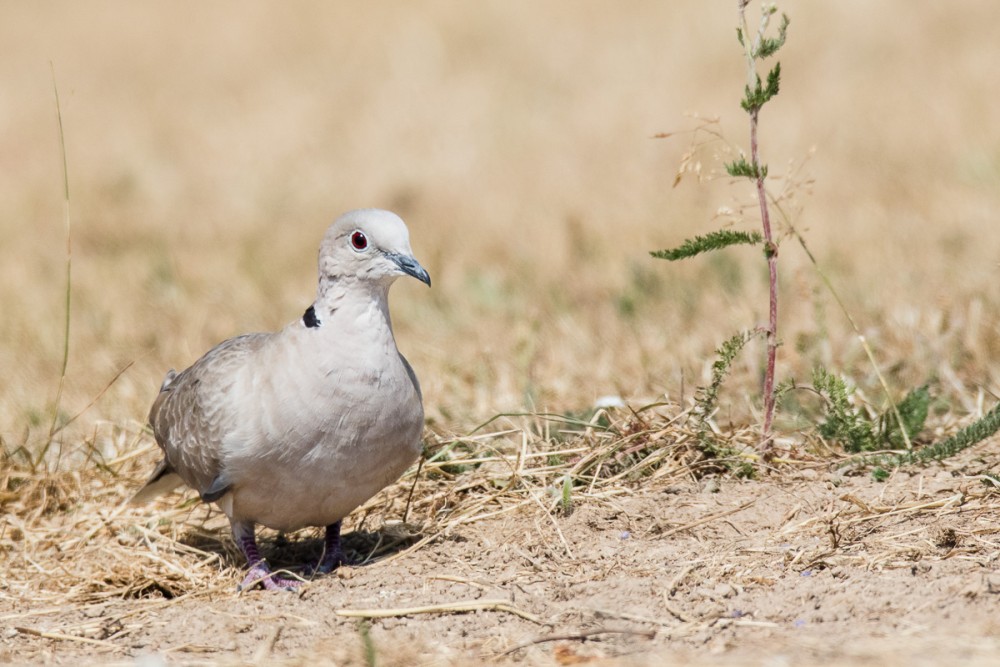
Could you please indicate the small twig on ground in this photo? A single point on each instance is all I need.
(69, 638)
(416, 476)
(458, 580)
(609, 613)
(677, 613)
(446, 608)
(704, 520)
(882, 512)
(676, 582)
(580, 636)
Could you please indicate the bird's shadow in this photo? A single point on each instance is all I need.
(301, 550)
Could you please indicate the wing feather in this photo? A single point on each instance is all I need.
(193, 414)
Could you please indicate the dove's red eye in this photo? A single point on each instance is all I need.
(359, 241)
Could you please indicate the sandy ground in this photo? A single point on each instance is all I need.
(811, 567)
(209, 144)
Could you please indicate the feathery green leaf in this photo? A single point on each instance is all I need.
(773, 82)
(713, 241)
(913, 410)
(843, 423)
(770, 45)
(741, 167)
(972, 434)
(754, 98)
(708, 398)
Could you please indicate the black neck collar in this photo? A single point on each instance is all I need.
(309, 318)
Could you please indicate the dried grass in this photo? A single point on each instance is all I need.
(70, 543)
(71, 548)
(68, 537)
(871, 535)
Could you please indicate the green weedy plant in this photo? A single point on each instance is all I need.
(707, 400)
(843, 423)
(972, 434)
(858, 430)
(859, 433)
(756, 47)
(880, 474)
(908, 419)
(566, 501)
(855, 430)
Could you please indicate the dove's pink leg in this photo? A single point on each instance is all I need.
(243, 533)
(333, 555)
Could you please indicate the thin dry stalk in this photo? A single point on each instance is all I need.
(448, 608)
(580, 636)
(69, 638)
(770, 247)
(69, 280)
(705, 520)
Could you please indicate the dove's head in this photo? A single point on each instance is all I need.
(368, 245)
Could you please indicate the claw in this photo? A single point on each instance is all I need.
(260, 573)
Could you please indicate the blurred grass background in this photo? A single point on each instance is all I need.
(209, 145)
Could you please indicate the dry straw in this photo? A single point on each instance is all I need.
(67, 536)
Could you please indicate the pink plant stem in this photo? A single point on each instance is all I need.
(771, 250)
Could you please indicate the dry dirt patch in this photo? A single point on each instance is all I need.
(800, 566)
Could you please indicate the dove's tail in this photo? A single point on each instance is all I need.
(162, 480)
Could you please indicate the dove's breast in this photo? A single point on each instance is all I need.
(323, 432)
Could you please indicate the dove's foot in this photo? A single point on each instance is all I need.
(333, 556)
(260, 573)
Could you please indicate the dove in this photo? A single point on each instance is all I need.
(299, 427)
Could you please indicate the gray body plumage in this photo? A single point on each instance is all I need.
(299, 427)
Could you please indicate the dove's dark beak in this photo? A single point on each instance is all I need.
(410, 267)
